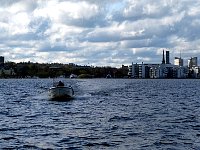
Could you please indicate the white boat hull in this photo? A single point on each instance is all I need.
(61, 92)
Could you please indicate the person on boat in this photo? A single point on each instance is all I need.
(60, 83)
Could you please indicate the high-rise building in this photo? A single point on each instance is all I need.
(178, 61)
(163, 59)
(192, 62)
(1, 61)
(167, 57)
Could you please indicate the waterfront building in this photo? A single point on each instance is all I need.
(133, 71)
(9, 72)
(167, 57)
(180, 72)
(130, 70)
(178, 61)
(144, 70)
(141, 70)
(163, 58)
(158, 71)
(154, 72)
(192, 62)
(196, 72)
(165, 69)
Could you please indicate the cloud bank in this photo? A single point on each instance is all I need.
(98, 33)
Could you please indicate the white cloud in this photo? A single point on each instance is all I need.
(61, 12)
(102, 32)
(22, 6)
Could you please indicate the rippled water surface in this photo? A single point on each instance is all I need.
(105, 114)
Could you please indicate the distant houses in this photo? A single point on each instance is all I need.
(5, 71)
(43, 70)
(165, 69)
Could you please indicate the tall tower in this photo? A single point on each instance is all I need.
(167, 57)
(163, 59)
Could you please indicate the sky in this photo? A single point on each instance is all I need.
(99, 32)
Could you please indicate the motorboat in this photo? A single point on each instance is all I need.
(72, 76)
(108, 76)
(61, 92)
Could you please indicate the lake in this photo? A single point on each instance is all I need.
(104, 114)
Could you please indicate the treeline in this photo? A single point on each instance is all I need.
(46, 70)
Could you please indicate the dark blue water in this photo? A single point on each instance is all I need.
(105, 114)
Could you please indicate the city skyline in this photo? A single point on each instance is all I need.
(98, 33)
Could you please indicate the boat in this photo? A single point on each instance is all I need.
(72, 76)
(60, 91)
(108, 76)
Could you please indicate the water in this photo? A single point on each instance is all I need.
(105, 114)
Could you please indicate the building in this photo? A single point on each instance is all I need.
(196, 72)
(141, 70)
(178, 61)
(180, 72)
(133, 71)
(167, 57)
(1, 61)
(164, 70)
(192, 62)
(7, 72)
(163, 58)
(159, 71)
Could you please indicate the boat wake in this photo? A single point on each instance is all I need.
(41, 96)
